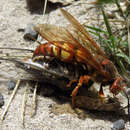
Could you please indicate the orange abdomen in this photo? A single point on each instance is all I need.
(55, 50)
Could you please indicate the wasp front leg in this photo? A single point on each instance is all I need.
(70, 83)
(82, 80)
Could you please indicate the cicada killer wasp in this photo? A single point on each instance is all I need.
(77, 46)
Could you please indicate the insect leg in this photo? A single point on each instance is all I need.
(83, 79)
(70, 83)
(101, 91)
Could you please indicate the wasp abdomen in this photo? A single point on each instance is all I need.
(52, 50)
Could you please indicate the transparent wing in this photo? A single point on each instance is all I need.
(85, 38)
(54, 33)
(77, 36)
(59, 35)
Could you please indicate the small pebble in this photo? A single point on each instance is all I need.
(119, 125)
(129, 111)
(21, 30)
(30, 33)
(1, 100)
(11, 85)
(128, 92)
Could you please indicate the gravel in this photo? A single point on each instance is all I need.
(119, 124)
(30, 33)
(11, 85)
(1, 100)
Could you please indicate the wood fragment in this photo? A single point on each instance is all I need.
(34, 104)
(24, 105)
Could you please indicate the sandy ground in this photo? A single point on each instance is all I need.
(14, 15)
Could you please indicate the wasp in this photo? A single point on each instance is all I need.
(76, 46)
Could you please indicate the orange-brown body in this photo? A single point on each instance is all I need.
(66, 52)
(50, 49)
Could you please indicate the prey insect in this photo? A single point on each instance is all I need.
(76, 46)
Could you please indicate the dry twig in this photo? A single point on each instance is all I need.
(24, 105)
(33, 111)
(10, 100)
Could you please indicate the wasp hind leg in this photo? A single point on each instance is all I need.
(70, 83)
(101, 93)
(82, 80)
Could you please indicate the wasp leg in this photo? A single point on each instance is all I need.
(37, 58)
(101, 94)
(70, 83)
(83, 79)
